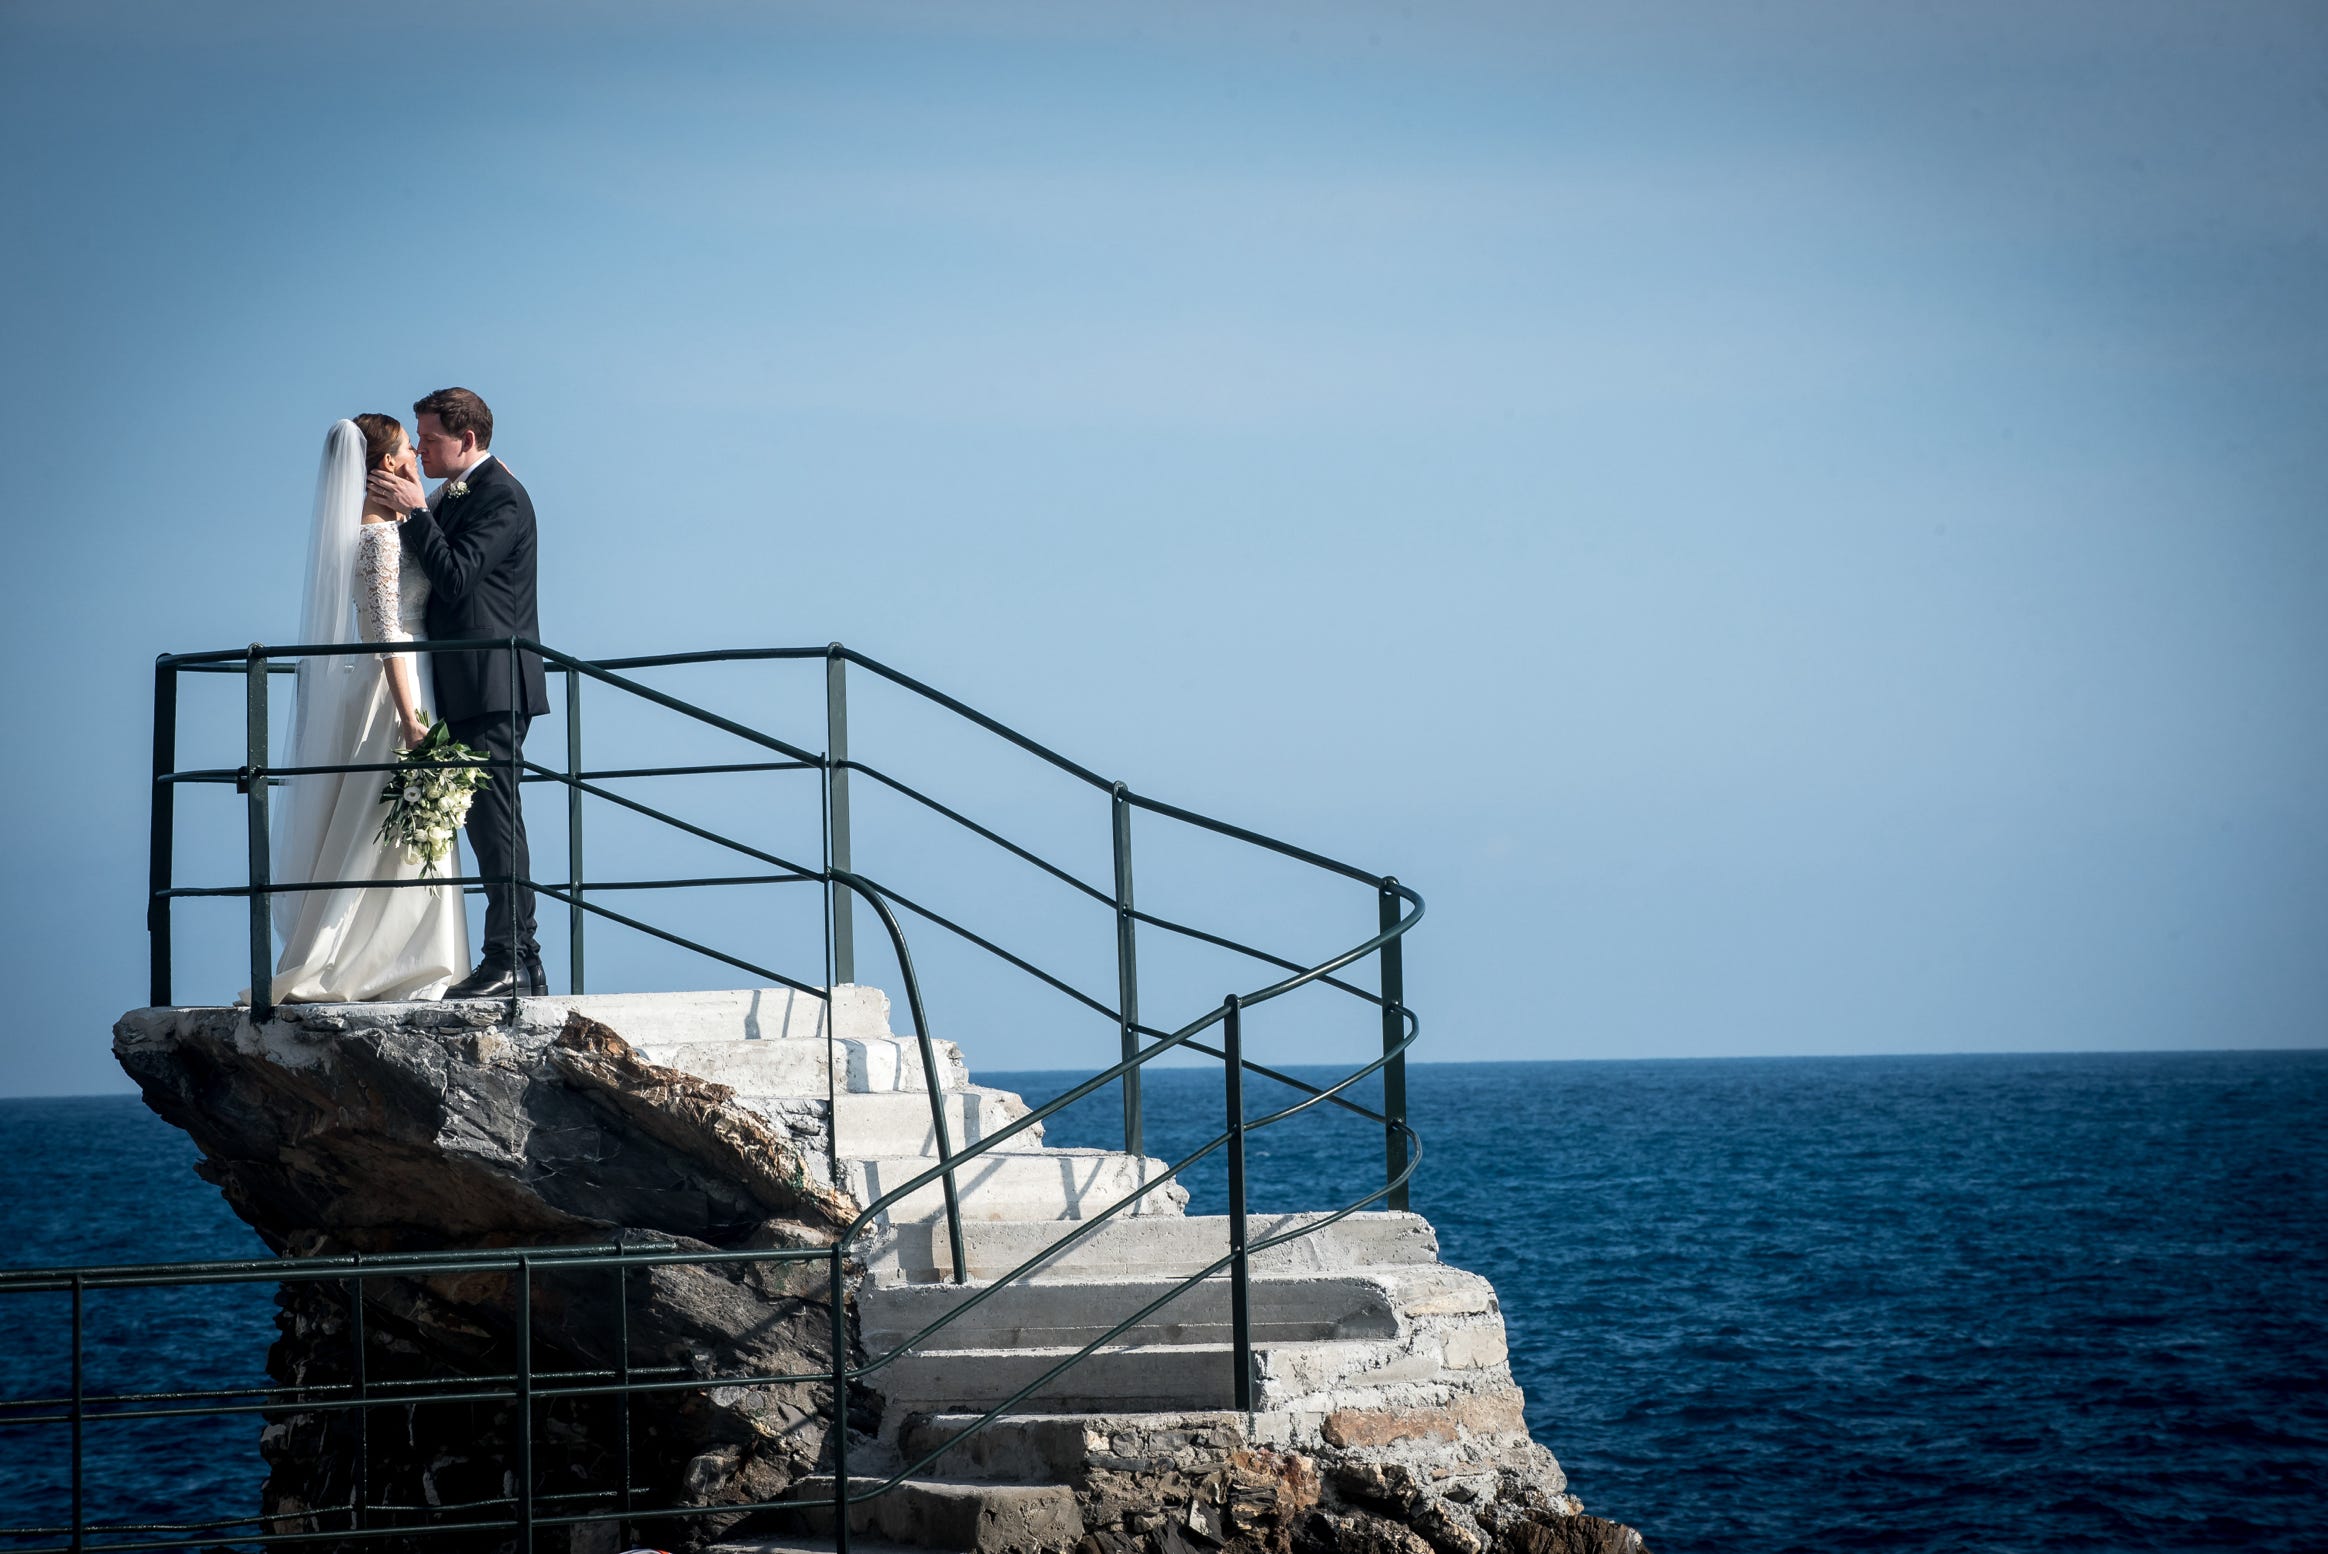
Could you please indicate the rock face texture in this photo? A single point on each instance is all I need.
(423, 1128)
(1385, 1417)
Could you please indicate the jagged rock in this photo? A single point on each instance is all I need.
(1186, 1483)
(1267, 1494)
(1578, 1534)
(415, 1128)
(1360, 1532)
(1382, 1486)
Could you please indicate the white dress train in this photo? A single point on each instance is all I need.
(351, 946)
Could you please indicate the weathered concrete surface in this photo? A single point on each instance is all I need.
(1050, 1185)
(919, 1254)
(730, 1014)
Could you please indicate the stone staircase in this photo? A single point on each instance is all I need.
(769, 1046)
(1362, 1340)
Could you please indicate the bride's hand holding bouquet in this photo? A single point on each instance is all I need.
(428, 796)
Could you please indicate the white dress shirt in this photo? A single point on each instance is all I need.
(436, 498)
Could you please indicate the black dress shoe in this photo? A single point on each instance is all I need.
(539, 977)
(492, 981)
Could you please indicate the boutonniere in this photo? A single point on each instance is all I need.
(457, 488)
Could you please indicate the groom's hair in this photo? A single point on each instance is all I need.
(460, 411)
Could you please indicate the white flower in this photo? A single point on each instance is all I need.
(457, 488)
(411, 794)
(439, 834)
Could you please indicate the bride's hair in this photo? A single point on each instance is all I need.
(381, 435)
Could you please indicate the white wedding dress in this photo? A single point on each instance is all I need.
(347, 946)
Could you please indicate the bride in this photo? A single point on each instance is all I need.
(346, 946)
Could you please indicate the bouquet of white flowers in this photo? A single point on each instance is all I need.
(428, 797)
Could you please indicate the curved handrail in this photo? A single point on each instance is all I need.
(839, 878)
(845, 1373)
(949, 1162)
(436, 645)
(1175, 1039)
(971, 714)
(1173, 1293)
(1088, 1225)
(931, 1084)
(975, 829)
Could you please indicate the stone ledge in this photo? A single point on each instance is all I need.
(1486, 1413)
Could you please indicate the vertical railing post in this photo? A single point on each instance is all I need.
(363, 1391)
(575, 916)
(525, 1472)
(77, 1389)
(836, 759)
(1394, 1091)
(162, 843)
(824, 815)
(622, 1372)
(840, 1412)
(1240, 1307)
(1127, 966)
(262, 942)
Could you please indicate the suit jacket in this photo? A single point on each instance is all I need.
(478, 552)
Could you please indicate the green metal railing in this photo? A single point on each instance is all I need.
(531, 1390)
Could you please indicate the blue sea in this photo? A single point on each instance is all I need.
(1947, 1303)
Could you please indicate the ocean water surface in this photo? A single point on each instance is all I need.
(1949, 1303)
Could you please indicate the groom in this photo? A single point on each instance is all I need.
(475, 540)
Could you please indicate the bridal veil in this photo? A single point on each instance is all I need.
(332, 691)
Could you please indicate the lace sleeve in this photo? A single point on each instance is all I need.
(379, 569)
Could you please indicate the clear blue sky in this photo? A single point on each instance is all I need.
(1801, 528)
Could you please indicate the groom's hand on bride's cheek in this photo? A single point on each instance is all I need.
(395, 492)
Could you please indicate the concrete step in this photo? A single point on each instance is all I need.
(1173, 1378)
(785, 1067)
(898, 1122)
(975, 1517)
(735, 1014)
(918, 1254)
(1061, 1448)
(1049, 1186)
(1386, 1302)
(1017, 1316)
(882, 1126)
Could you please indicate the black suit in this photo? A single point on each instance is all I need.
(478, 552)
